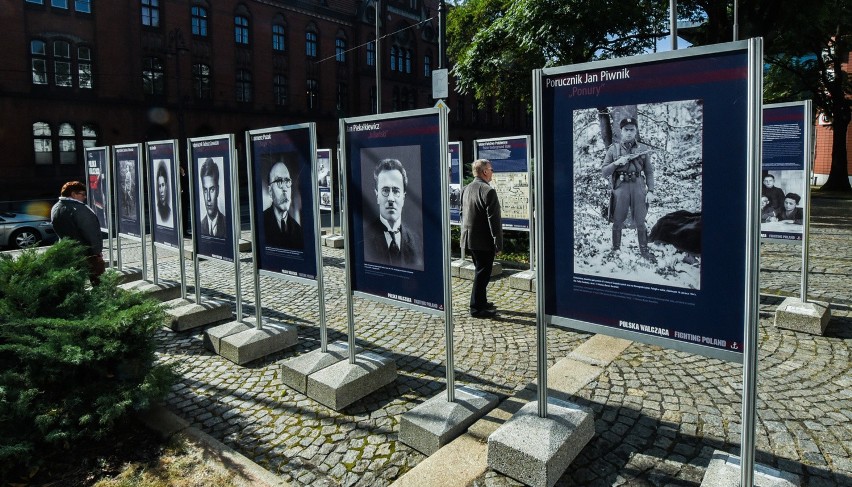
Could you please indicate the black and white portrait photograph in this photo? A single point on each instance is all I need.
(393, 209)
(782, 205)
(127, 189)
(163, 193)
(211, 198)
(637, 192)
(282, 201)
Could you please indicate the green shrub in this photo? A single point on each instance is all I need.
(73, 361)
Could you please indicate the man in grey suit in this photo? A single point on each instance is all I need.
(481, 234)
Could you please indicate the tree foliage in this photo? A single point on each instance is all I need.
(73, 362)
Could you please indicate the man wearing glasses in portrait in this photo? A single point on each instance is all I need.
(280, 220)
(386, 239)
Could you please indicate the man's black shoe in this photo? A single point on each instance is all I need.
(490, 305)
(485, 313)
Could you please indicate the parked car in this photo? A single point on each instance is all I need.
(19, 230)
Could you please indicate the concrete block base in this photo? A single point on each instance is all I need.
(811, 317)
(333, 241)
(295, 372)
(252, 344)
(341, 384)
(213, 337)
(436, 422)
(536, 451)
(184, 314)
(128, 274)
(456, 265)
(468, 270)
(724, 471)
(245, 245)
(524, 280)
(162, 290)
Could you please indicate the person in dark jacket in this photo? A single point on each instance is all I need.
(279, 220)
(386, 239)
(72, 218)
(481, 234)
(791, 213)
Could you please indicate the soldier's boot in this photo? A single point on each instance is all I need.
(643, 247)
(616, 239)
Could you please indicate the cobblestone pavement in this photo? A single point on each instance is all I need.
(659, 413)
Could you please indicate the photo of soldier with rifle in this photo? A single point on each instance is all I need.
(628, 166)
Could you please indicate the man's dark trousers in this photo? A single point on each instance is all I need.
(483, 260)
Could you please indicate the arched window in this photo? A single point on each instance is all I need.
(90, 135)
(311, 44)
(427, 66)
(407, 61)
(84, 67)
(241, 30)
(340, 50)
(199, 21)
(201, 82)
(313, 94)
(280, 88)
(278, 38)
(42, 144)
(243, 85)
(153, 79)
(371, 53)
(151, 13)
(67, 144)
(393, 57)
(38, 51)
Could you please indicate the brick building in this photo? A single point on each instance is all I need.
(80, 73)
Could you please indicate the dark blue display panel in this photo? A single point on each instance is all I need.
(456, 180)
(128, 166)
(282, 182)
(689, 140)
(98, 182)
(324, 178)
(412, 211)
(509, 158)
(163, 188)
(783, 175)
(211, 166)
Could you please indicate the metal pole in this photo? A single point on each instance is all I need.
(752, 264)
(446, 241)
(806, 217)
(108, 203)
(235, 233)
(442, 33)
(179, 216)
(317, 226)
(673, 23)
(736, 27)
(541, 322)
(258, 310)
(190, 178)
(140, 204)
(378, 62)
(344, 225)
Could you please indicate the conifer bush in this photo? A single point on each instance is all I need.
(73, 361)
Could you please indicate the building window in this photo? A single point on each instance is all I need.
(199, 21)
(243, 85)
(241, 31)
(393, 58)
(201, 82)
(84, 67)
(278, 38)
(280, 87)
(42, 145)
(84, 6)
(427, 66)
(371, 53)
(153, 79)
(407, 61)
(62, 63)
(342, 98)
(151, 13)
(311, 44)
(90, 135)
(59, 3)
(38, 50)
(67, 144)
(313, 94)
(37, 2)
(340, 50)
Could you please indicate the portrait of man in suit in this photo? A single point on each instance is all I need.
(213, 223)
(386, 238)
(281, 219)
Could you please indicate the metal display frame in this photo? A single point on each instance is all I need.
(140, 206)
(234, 216)
(107, 175)
(461, 174)
(178, 208)
(753, 49)
(443, 137)
(318, 282)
